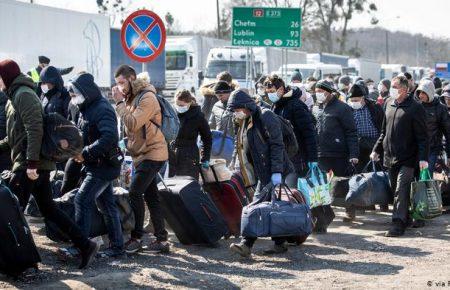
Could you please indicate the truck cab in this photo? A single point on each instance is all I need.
(316, 70)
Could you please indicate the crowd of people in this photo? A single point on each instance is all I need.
(339, 124)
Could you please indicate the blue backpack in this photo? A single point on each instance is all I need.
(170, 124)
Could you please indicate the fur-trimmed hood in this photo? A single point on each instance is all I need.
(142, 82)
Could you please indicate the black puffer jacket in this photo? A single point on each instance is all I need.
(293, 109)
(336, 131)
(57, 99)
(185, 153)
(404, 137)
(438, 125)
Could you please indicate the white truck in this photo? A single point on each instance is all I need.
(388, 71)
(316, 70)
(185, 58)
(68, 38)
(365, 68)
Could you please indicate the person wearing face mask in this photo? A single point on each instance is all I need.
(31, 172)
(221, 119)
(139, 110)
(344, 84)
(287, 104)
(55, 98)
(438, 121)
(184, 153)
(262, 156)
(373, 90)
(383, 89)
(296, 81)
(404, 142)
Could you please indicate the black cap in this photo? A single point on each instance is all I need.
(357, 90)
(325, 85)
(222, 87)
(44, 59)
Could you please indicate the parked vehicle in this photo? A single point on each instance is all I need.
(317, 70)
(388, 71)
(328, 58)
(365, 68)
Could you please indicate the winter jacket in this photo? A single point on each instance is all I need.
(57, 99)
(438, 126)
(404, 137)
(221, 119)
(209, 99)
(295, 111)
(185, 151)
(5, 157)
(145, 139)
(24, 125)
(265, 138)
(337, 136)
(98, 124)
(376, 112)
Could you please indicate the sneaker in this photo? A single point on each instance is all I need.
(397, 229)
(241, 249)
(418, 224)
(88, 255)
(158, 247)
(111, 253)
(133, 246)
(349, 217)
(65, 254)
(276, 249)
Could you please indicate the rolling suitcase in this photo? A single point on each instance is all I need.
(190, 212)
(17, 249)
(229, 197)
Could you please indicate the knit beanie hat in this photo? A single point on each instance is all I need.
(9, 71)
(43, 59)
(296, 76)
(326, 86)
(222, 87)
(356, 90)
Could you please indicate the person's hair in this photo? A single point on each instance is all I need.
(402, 81)
(185, 96)
(225, 76)
(407, 75)
(126, 71)
(311, 79)
(274, 81)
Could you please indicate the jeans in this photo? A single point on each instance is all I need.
(144, 183)
(432, 159)
(22, 187)
(401, 178)
(95, 189)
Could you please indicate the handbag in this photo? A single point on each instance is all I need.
(426, 200)
(270, 216)
(316, 188)
(369, 188)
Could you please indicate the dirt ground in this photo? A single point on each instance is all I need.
(348, 257)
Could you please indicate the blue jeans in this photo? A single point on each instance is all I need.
(95, 189)
(432, 162)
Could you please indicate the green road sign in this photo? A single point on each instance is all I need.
(279, 27)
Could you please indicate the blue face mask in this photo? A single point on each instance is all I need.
(181, 109)
(273, 97)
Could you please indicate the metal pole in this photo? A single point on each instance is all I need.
(144, 67)
(218, 19)
(387, 46)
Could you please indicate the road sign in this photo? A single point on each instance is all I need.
(143, 36)
(279, 27)
(442, 70)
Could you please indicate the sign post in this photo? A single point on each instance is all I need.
(143, 36)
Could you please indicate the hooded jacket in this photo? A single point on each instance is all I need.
(295, 111)
(24, 125)
(145, 139)
(98, 123)
(337, 136)
(265, 138)
(57, 99)
(404, 137)
(438, 126)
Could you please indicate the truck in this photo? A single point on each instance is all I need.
(365, 68)
(156, 69)
(185, 59)
(271, 58)
(67, 37)
(389, 71)
(328, 58)
(316, 70)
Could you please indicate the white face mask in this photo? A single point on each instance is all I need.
(298, 85)
(371, 88)
(341, 86)
(240, 115)
(273, 97)
(77, 100)
(321, 97)
(381, 88)
(394, 93)
(44, 88)
(355, 105)
(181, 109)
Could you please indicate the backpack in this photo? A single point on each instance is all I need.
(170, 124)
(289, 139)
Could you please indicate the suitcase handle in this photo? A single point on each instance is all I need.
(13, 234)
(206, 211)
(162, 181)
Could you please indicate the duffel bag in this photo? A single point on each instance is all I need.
(426, 201)
(270, 216)
(369, 188)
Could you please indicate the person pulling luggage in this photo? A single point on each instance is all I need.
(265, 156)
(31, 172)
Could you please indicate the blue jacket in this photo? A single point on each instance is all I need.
(98, 124)
(57, 99)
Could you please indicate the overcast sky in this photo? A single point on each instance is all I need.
(429, 17)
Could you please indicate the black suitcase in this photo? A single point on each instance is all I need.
(17, 248)
(190, 212)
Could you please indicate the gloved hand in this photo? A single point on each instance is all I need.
(205, 164)
(423, 164)
(311, 165)
(276, 179)
(354, 161)
(32, 170)
(374, 156)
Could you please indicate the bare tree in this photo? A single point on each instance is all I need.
(116, 9)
